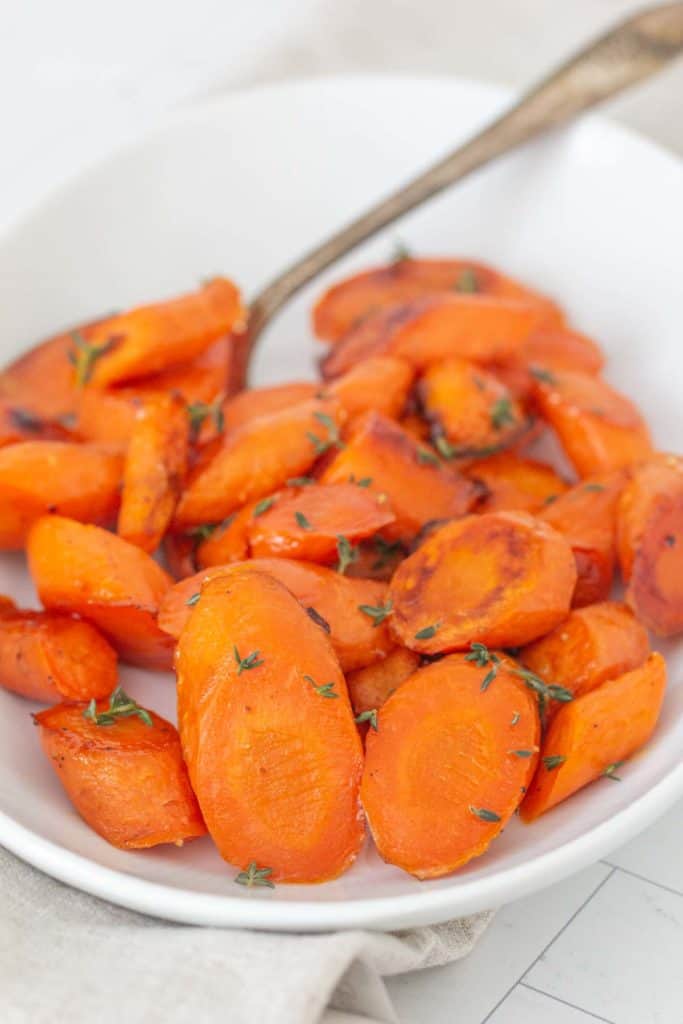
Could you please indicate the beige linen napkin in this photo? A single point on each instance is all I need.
(66, 956)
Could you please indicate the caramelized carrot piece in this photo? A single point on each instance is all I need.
(382, 384)
(650, 543)
(597, 731)
(353, 612)
(586, 516)
(248, 405)
(95, 574)
(448, 764)
(437, 327)
(49, 657)
(36, 477)
(259, 458)
(371, 686)
(348, 302)
(419, 487)
(511, 482)
(600, 429)
(156, 462)
(592, 645)
(293, 804)
(501, 579)
(548, 349)
(180, 551)
(470, 412)
(307, 522)
(126, 778)
(229, 541)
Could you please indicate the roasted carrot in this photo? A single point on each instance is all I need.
(591, 645)
(154, 471)
(37, 477)
(599, 428)
(248, 405)
(420, 488)
(593, 735)
(382, 384)
(344, 305)
(448, 764)
(371, 686)
(309, 522)
(228, 541)
(353, 612)
(481, 328)
(153, 338)
(259, 458)
(501, 579)
(122, 769)
(292, 805)
(180, 550)
(95, 574)
(586, 516)
(511, 482)
(549, 348)
(650, 543)
(47, 656)
(471, 414)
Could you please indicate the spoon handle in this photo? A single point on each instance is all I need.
(631, 51)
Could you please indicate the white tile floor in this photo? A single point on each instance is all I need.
(605, 945)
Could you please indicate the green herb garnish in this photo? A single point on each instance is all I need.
(347, 553)
(428, 632)
(333, 439)
(467, 281)
(545, 376)
(400, 252)
(553, 761)
(501, 413)
(198, 412)
(378, 613)
(368, 716)
(611, 770)
(244, 664)
(120, 706)
(300, 481)
(254, 876)
(263, 506)
(191, 601)
(484, 813)
(85, 354)
(324, 690)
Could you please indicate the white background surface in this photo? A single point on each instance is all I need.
(78, 78)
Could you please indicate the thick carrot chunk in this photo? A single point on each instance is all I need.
(371, 686)
(250, 404)
(512, 482)
(382, 384)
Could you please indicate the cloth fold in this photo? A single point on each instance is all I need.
(65, 955)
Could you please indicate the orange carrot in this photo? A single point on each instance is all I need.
(156, 462)
(511, 482)
(550, 348)
(48, 657)
(228, 541)
(180, 551)
(19, 424)
(448, 764)
(122, 769)
(95, 574)
(501, 579)
(249, 405)
(292, 805)
(36, 477)
(371, 686)
(382, 384)
(593, 735)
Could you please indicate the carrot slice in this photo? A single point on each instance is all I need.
(371, 686)
(448, 764)
(650, 543)
(589, 737)
(419, 487)
(548, 349)
(351, 611)
(292, 805)
(36, 477)
(600, 429)
(501, 579)
(437, 327)
(259, 458)
(227, 542)
(586, 516)
(511, 482)
(126, 779)
(470, 412)
(382, 384)
(592, 645)
(153, 338)
(349, 301)
(95, 574)
(154, 470)
(307, 522)
(250, 404)
(49, 657)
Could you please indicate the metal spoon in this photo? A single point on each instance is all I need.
(631, 51)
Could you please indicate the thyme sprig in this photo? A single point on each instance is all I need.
(252, 660)
(302, 522)
(611, 770)
(546, 690)
(553, 761)
(254, 876)
(199, 412)
(347, 554)
(368, 716)
(333, 439)
(481, 656)
(120, 706)
(501, 413)
(378, 613)
(262, 506)
(324, 689)
(85, 354)
(484, 814)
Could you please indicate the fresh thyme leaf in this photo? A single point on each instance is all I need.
(324, 690)
(200, 533)
(378, 613)
(368, 716)
(365, 481)
(545, 376)
(523, 753)
(244, 664)
(467, 281)
(191, 601)
(333, 439)
(300, 481)
(547, 690)
(400, 252)
(501, 413)
(347, 554)
(427, 458)
(480, 655)
(484, 813)
(488, 678)
(515, 718)
(318, 619)
(553, 761)
(611, 771)
(594, 487)
(198, 412)
(450, 451)
(302, 521)
(386, 551)
(254, 876)
(120, 706)
(263, 506)
(428, 632)
(85, 354)
(550, 499)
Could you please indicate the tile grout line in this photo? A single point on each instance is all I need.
(565, 1002)
(549, 944)
(642, 878)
